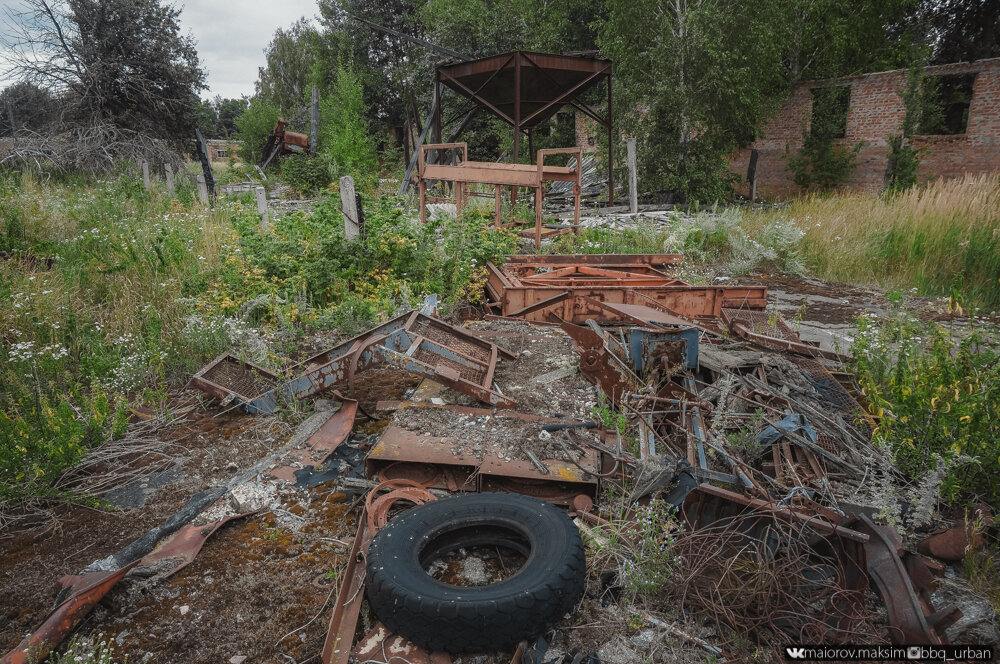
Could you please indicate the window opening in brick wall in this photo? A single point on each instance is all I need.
(220, 154)
(829, 112)
(945, 108)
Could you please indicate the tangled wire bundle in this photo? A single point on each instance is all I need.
(757, 575)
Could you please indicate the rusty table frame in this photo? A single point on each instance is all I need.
(499, 175)
(574, 291)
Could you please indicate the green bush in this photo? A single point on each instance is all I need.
(344, 132)
(936, 391)
(306, 175)
(253, 126)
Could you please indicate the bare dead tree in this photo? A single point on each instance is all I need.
(120, 69)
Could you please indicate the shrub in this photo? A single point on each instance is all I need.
(253, 126)
(936, 392)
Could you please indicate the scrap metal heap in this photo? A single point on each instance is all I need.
(752, 434)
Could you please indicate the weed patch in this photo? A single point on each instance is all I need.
(936, 392)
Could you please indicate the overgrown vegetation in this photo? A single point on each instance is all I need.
(903, 158)
(822, 162)
(939, 238)
(936, 391)
(112, 294)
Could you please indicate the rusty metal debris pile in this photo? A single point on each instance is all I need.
(753, 435)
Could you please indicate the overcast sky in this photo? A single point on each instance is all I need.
(232, 34)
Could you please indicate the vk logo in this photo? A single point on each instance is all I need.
(796, 653)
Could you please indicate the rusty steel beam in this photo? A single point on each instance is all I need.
(577, 290)
(343, 622)
(912, 618)
(181, 548)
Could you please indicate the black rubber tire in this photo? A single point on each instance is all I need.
(454, 619)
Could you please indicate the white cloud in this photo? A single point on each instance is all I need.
(232, 34)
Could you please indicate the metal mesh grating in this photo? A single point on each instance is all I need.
(235, 376)
(453, 341)
(467, 373)
(760, 322)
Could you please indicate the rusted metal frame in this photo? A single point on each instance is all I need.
(423, 343)
(199, 381)
(475, 95)
(786, 514)
(742, 330)
(580, 64)
(539, 305)
(336, 371)
(560, 100)
(595, 259)
(390, 340)
(605, 70)
(481, 392)
(343, 622)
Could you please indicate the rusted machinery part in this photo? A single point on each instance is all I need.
(953, 544)
(355, 354)
(377, 507)
(425, 474)
(903, 587)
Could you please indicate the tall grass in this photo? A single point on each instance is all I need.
(942, 238)
(94, 281)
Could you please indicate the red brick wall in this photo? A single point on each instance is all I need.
(876, 110)
(586, 132)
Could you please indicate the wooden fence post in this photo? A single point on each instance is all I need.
(202, 190)
(145, 174)
(168, 171)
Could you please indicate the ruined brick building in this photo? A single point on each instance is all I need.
(966, 141)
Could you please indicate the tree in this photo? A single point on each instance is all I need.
(33, 108)
(118, 62)
(707, 77)
(227, 110)
(343, 136)
(962, 30)
(291, 56)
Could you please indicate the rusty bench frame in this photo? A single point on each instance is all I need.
(499, 175)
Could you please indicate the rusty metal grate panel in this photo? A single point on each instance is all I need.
(761, 322)
(444, 338)
(238, 377)
(434, 360)
(835, 394)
